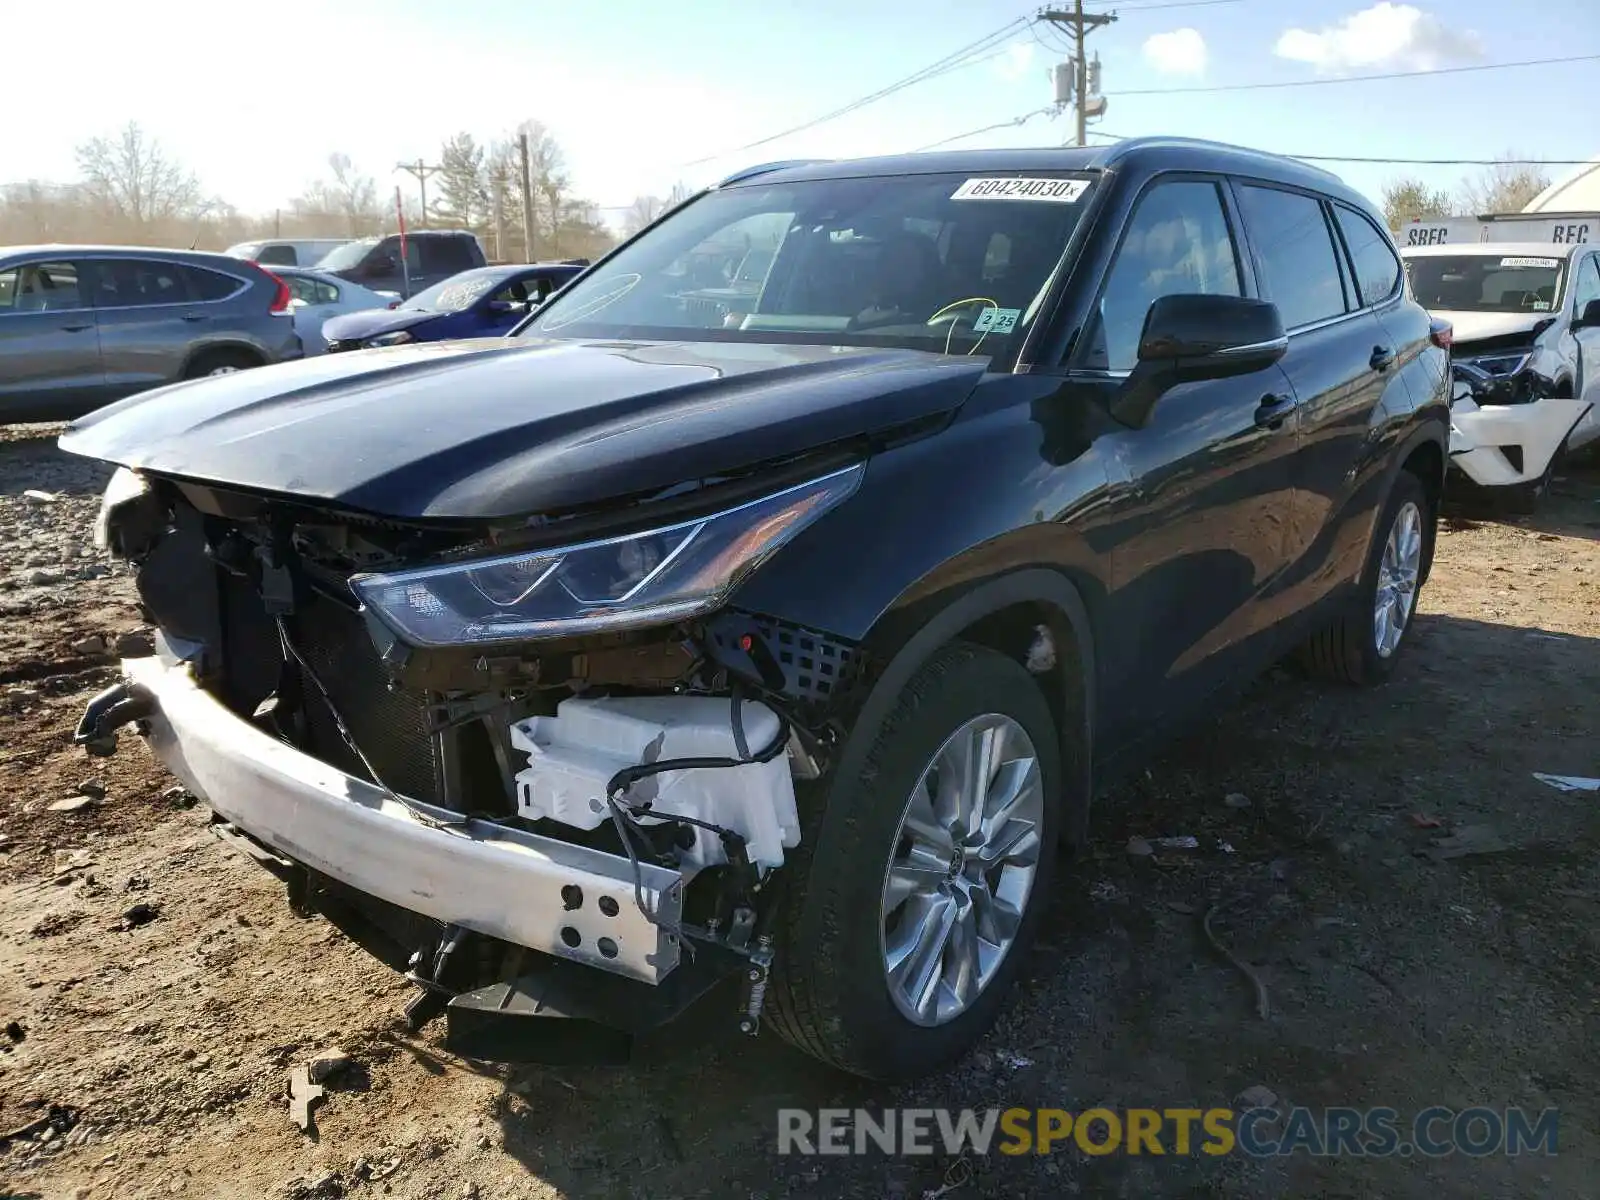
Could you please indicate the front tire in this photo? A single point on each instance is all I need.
(1363, 644)
(927, 875)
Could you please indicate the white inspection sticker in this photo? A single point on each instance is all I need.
(1530, 262)
(996, 320)
(1055, 191)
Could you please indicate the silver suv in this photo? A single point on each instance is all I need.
(81, 326)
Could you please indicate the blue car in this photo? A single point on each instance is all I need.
(482, 302)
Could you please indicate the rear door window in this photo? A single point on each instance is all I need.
(1294, 246)
(279, 253)
(138, 283)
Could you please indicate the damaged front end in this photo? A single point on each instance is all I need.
(543, 769)
(1507, 418)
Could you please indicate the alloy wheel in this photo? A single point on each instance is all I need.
(1398, 573)
(962, 869)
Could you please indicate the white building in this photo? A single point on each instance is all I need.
(1578, 192)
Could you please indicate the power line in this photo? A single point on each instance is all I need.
(1415, 162)
(1022, 120)
(1295, 83)
(960, 58)
(1126, 8)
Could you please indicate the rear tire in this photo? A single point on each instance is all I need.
(1359, 646)
(221, 362)
(859, 982)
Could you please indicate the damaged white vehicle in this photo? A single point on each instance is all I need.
(1524, 326)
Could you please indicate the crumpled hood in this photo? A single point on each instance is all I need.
(358, 326)
(1470, 326)
(504, 427)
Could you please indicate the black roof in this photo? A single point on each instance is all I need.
(1164, 153)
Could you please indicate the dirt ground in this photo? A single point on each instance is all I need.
(150, 1059)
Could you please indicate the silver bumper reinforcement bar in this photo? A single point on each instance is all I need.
(565, 900)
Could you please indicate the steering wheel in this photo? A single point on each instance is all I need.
(970, 308)
(953, 312)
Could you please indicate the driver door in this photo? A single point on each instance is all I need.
(1201, 496)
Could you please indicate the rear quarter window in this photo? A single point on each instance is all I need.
(207, 285)
(1377, 266)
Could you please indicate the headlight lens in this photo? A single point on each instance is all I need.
(647, 578)
(125, 485)
(398, 338)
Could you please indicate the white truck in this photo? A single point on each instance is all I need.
(1548, 229)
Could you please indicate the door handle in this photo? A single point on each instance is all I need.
(1382, 358)
(193, 317)
(1273, 409)
(78, 328)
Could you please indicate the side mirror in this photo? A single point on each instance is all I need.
(1192, 337)
(1589, 318)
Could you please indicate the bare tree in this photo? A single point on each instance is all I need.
(346, 197)
(1406, 200)
(643, 211)
(1505, 187)
(132, 177)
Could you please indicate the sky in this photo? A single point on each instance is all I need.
(641, 94)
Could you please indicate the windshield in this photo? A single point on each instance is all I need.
(455, 294)
(951, 263)
(342, 258)
(1488, 283)
(243, 250)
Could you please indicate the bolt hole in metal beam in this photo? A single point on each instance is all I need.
(571, 936)
(572, 899)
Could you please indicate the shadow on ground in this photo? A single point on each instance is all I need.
(1394, 978)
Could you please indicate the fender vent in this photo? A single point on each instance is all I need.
(813, 666)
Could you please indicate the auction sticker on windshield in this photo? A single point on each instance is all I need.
(1056, 191)
(1530, 262)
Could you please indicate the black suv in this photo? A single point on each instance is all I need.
(431, 255)
(81, 326)
(782, 627)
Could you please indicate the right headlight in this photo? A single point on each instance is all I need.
(639, 579)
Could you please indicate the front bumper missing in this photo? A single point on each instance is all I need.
(1479, 438)
(503, 883)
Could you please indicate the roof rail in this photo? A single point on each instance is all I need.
(764, 168)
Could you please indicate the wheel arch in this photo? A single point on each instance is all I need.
(222, 346)
(1425, 455)
(1003, 613)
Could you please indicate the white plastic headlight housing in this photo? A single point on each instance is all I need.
(640, 579)
(398, 338)
(125, 485)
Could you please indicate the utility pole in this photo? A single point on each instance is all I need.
(1078, 25)
(421, 170)
(525, 177)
